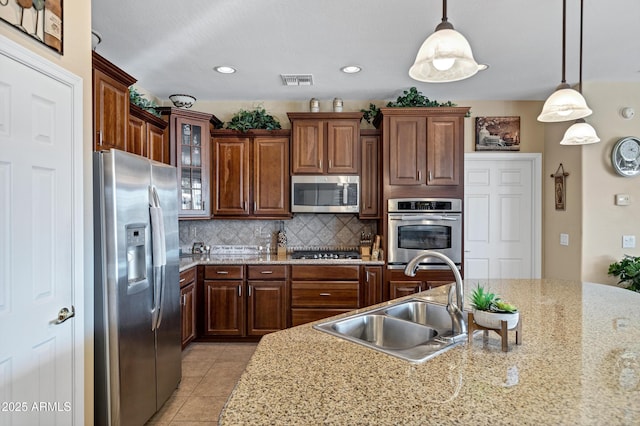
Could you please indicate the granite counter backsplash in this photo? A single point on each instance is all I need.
(303, 231)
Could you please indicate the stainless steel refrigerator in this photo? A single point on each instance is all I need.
(137, 310)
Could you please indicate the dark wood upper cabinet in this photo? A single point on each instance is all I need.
(251, 174)
(231, 176)
(370, 174)
(146, 135)
(325, 143)
(271, 176)
(110, 104)
(423, 152)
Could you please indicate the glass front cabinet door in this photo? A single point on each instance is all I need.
(190, 134)
(191, 166)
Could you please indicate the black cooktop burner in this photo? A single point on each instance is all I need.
(329, 255)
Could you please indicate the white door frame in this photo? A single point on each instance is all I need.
(51, 70)
(535, 159)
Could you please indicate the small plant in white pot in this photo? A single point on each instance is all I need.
(489, 310)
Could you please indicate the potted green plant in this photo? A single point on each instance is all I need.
(489, 309)
(628, 270)
(257, 118)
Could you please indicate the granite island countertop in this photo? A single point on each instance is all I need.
(188, 261)
(579, 363)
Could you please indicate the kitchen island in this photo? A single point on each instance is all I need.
(579, 363)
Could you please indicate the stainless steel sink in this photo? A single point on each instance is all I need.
(385, 332)
(422, 312)
(414, 330)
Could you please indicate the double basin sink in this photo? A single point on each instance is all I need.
(414, 330)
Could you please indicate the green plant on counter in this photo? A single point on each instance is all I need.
(139, 100)
(258, 118)
(484, 300)
(628, 270)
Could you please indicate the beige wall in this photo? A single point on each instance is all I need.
(561, 262)
(76, 59)
(604, 223)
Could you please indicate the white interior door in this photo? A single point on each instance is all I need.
(41, 270)
(502, 216)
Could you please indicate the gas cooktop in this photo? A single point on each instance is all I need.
(329, 254)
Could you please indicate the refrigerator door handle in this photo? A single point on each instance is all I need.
(159, 253)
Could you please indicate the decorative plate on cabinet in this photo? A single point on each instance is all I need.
(625, 157)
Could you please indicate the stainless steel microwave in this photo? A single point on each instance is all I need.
(325, 194)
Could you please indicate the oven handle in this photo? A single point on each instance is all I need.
(422, 217)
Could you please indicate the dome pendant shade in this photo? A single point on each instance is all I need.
(443, 57)
(564, 105)
(580, 133)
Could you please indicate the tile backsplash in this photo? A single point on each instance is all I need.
(303, 231)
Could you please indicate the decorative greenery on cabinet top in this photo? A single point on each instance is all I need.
(411, 98)
(257, 118)
(138, 99)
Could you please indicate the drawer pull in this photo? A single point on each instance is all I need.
(325, 294)
(183, 280)
(266, 272)
(222, 272)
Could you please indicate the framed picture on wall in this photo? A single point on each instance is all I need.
(497, 133)
(40, 19)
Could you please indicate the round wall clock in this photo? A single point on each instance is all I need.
(625, 156)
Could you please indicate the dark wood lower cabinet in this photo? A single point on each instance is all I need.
(237, 307)
(266, 307)
(244, 302)
(400, 285)
(318, 293)
(224, 308)
(188, 305)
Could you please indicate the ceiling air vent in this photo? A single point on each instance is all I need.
(297, 79)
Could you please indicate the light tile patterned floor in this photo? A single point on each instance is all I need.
(209, 373)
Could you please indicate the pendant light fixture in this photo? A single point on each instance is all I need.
(444, 56)
(580, 133)
(565, 104)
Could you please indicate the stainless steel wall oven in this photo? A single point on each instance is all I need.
(417, 225)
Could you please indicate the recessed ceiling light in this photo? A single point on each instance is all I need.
(351, 69)
(225, 69)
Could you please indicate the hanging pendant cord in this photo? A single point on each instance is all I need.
(580, 71)
(444, 11)
(564, 39)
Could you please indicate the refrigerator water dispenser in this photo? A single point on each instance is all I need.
(136, 255)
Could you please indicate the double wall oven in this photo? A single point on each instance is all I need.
(417, 225)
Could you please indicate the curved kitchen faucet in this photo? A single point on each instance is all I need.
(455, 310)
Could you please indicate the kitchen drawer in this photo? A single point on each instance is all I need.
(223, 272)
(328, 272)
(187, 276)
(303, 316)
(266, 272)
(325, 294)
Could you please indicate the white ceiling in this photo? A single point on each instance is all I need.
(172, 46)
